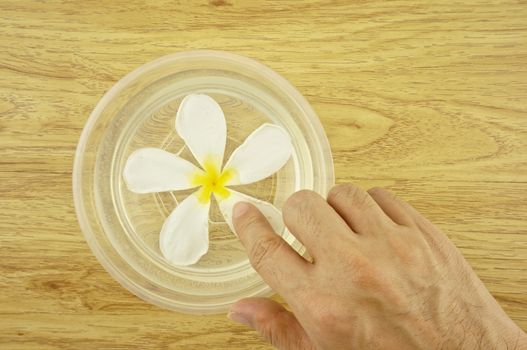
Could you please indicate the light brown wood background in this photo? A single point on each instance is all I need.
(427, 100)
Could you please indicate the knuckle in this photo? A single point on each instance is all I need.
(268, 332)
(262, 251)
(325, 316)
(377, 191)
(300, 198)
(299, 204)
(300, 343)
(250, 222)
(407, 251)
(311, 221)
(381, 192)
(363, 200)
(343, 190)
(365, 281)
(348, 192)
(272, 328)
(364, 274)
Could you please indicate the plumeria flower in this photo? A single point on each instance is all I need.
(200, 122)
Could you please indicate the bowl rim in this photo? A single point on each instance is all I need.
(78, 198)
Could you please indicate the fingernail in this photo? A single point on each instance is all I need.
(240, 318)
(240, 208)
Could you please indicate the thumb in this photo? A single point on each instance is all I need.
(277, 325)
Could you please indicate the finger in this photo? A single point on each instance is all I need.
(314, 222)
(358, 209)
(268, 253)
(433, 235)
(405, 214)
(394, 207)
(276, 325)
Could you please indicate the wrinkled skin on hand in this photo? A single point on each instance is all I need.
(382, 277)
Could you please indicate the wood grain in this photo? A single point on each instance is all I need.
(426, 99)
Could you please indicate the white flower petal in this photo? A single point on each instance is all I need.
(273, 215)
(201, 123)
(263, 153)
(184, 237)
(149, 170)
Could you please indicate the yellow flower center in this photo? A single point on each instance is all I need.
(212, 181)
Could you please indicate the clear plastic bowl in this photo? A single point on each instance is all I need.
(122, 228)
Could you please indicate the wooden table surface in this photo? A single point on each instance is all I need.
(427, 100)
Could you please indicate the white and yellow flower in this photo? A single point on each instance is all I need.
(200, 122)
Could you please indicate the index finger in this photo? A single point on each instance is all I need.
(278, 264)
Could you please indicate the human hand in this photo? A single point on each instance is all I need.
(382, 277)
